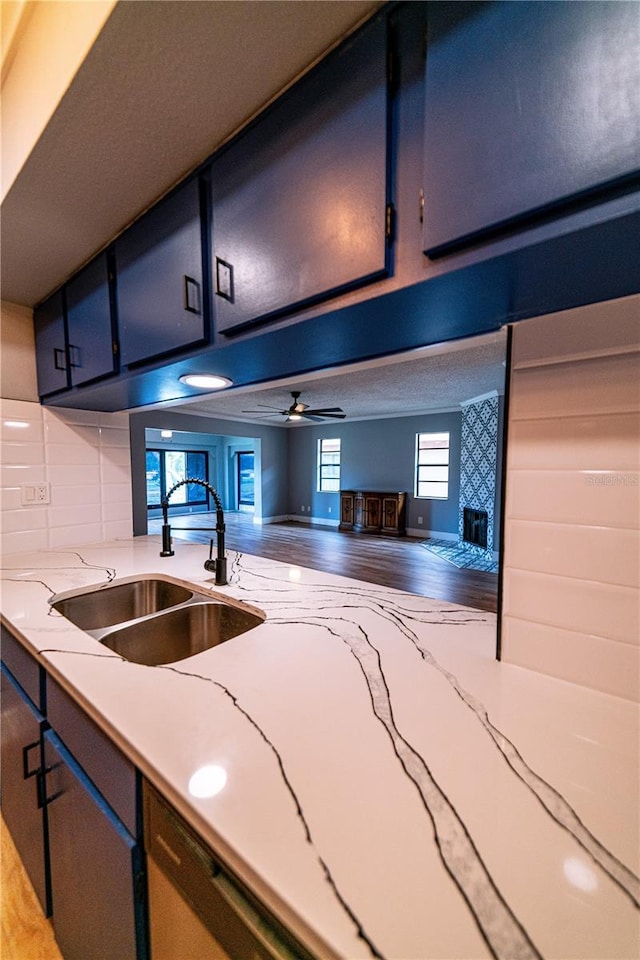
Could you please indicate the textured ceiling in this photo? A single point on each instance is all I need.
(165, 83)
(436, 378)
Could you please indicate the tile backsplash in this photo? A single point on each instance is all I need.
(84, 456)
(571, 597)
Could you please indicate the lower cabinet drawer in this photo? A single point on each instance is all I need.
(24, 668)
(111, 772)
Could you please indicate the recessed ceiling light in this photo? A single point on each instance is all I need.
(205, 381)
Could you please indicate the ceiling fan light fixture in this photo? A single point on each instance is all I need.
(294, 416)
(205, 381)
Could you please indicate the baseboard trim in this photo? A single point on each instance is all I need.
(317, 521)
(423, 534)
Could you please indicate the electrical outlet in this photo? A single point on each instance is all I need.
(43, 492)
(419, 521)
(302, 507)
(329, 509)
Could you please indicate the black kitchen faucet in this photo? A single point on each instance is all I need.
(219, 565)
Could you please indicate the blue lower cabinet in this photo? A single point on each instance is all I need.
(23, 813)
(97, 874)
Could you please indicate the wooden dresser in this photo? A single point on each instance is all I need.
(368, 511)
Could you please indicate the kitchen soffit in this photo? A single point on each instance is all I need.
(162, 87)
(428, 380)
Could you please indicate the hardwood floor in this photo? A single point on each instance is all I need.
(393, 562)
(25, 933)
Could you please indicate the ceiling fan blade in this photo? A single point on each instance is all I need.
(325, 416)
(321, 411)
(261, 413)
(308, 416)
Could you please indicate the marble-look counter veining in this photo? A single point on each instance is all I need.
(389, 789)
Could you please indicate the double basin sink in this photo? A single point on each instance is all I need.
(155, 620)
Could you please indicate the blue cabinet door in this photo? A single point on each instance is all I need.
(51, 345)
(21, 726)
(529, 106)
(95, 866)
(299, 199)
(91, 344)
(159, 279)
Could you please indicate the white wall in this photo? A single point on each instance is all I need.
(572, 513)
(17, 353)
(85, 457)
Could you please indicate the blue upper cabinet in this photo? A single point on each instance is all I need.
(51, 345)
(299, 199)
(91, 343)
(159, 279)
(75, 341)
(529, 107)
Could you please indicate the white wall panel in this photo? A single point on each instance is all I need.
(594, 662)
(86, 459)
(571, 564)
(570, 550)
(600, 609)
(569, 389)
(603, 498)
(596, 442)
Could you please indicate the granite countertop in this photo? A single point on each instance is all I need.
(391, 790)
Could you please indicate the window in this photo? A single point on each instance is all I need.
(246, 497)
(432, 465)
(328, 466)
(167, 467)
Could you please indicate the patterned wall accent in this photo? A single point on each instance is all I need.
(478, 462)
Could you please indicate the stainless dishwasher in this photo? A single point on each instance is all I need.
(197, 909)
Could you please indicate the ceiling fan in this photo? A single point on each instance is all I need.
(301, 411)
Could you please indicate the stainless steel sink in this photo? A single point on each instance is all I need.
(120, 602)
(180, 633)
(153, 620)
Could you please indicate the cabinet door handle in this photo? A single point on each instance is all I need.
(74, 356)
(41, 787)
(191, 295)
(59, 359)
(26, 773)
(224, 280)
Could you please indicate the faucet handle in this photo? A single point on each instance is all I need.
(166, 541)
(210, 564)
